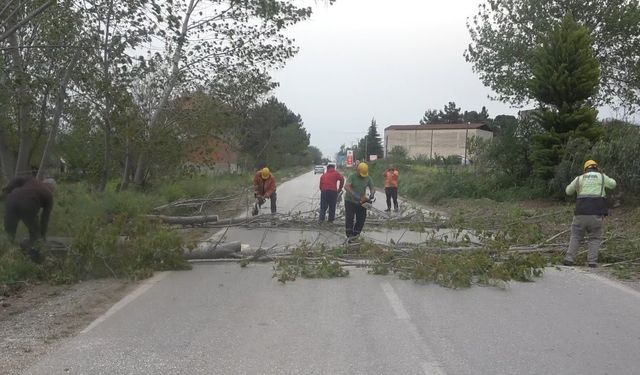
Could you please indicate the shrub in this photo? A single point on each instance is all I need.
(14, 264)
(619, 154)
(131, 248)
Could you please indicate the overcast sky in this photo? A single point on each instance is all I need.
(388, 59)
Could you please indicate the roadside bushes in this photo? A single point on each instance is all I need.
(432, 183)
(108, 234)
(201, 186)
(619, 154)
(14, 265)
(126, 248)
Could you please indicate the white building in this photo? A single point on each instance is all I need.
(433, 140)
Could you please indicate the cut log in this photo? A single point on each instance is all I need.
(215, 251)
(185, 220)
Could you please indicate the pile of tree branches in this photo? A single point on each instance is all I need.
(452, 269)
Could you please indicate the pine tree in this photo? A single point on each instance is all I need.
(565, 76)
(374, 141)
(451, 114)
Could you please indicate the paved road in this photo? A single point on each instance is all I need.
(223, 319)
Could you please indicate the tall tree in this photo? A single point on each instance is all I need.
(373, 142)
(206, 37)
(565, 78)
(274, 134)
(40, 59)
(431, 116)
(476, 117)
(116, 26)
(451, 114)
(506, 33)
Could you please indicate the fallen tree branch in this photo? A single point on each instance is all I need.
(215, 251)
(185, 220)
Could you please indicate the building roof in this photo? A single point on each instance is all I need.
(439, 127)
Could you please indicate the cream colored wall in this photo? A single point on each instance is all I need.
(445, 142)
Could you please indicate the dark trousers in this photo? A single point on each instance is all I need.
(391, 193)
(328, 200)
(28, 214)
(273, 198)
(351, 211)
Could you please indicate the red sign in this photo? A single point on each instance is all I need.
(349, 158)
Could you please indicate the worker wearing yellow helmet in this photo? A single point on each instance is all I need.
(356, 188)
(264, 187)
(591, 208)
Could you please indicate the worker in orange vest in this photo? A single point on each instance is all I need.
(391, 187)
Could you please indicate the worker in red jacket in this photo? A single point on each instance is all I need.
(264, 187)
(329, 190)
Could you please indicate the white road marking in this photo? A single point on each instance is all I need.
(429, 368)
(146, 285)
(394, 301)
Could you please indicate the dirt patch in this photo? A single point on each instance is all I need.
(38, 318)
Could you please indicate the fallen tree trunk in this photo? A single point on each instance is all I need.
(215, 251)
(185, 220)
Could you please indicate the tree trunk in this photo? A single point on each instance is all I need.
(168, 89)
(24, 106)
(7, 158)
(107, 156)
(185, 220)
(138, 177)
(57, 114)
(215, 251)
(124, 185)
(42, 122)
(108, 104)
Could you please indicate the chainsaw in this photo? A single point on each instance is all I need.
(369, 206)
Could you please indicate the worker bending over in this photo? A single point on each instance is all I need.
(264, 187)
(25, 197)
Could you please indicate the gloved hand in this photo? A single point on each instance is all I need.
(372, 196)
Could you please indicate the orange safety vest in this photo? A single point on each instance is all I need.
(391, 179)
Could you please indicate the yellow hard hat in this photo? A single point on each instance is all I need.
(265, 173)
(363, 170)
(589, 164)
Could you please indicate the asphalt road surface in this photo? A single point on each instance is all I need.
(223, 319)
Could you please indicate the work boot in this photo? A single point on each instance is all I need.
(255, 211)
(395, 209)
(388, 209)
(567, 262)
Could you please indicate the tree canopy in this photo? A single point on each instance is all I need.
(451, 114)
(506, 33)
(565, 78)
(109, 80)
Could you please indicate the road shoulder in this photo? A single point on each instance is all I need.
(39, 318)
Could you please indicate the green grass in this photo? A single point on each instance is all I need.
(97, 220)
(433, 184)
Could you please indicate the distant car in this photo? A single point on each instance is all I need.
(318, 169)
